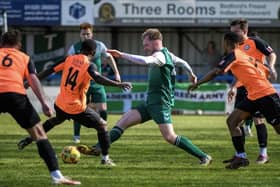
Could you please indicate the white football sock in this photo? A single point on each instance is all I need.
(56, 174)
(263, 151)
(105, 157)
(241, 155)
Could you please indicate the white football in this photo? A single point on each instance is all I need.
(199, 112)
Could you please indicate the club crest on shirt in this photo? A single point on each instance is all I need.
(246, 47)
(269, 49)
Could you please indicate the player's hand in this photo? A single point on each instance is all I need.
(192, 87)
(114, 53)
(126, 85)
(231, 94)
(193, 78)
(118, 78)
(47, 110)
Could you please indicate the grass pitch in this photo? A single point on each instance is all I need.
(143, 158)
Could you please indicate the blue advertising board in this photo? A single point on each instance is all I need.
(32, 12)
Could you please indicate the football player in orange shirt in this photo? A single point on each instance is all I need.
(260, 50)
(261, 94)
(77, 71)
(14, 68)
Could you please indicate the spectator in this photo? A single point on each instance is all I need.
(210, 55)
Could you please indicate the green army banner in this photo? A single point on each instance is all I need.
(209, 98)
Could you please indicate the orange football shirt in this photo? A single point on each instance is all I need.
(250, 73)
(250, 48)
(74, 84)
(13, 70)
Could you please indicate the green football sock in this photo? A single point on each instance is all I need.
(186, 144)
(115, 133)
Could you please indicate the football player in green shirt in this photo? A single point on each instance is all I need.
(160, 95)
(96, 95)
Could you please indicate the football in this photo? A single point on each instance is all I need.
(70, 155)
(199, 112)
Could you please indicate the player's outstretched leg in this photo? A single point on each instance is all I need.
(185, 144)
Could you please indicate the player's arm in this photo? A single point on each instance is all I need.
(111, 61)
(35, 85)
(98, 78)
(222, 67)
(138, 59)
(54, 68)
(232, 90)
(185, 65)
(114, 67)
(271, 60)
(43, 74)
(266, 49)
(206, 78)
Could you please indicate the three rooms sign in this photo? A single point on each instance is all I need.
(185, 13)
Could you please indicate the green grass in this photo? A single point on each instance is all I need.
(143, 158)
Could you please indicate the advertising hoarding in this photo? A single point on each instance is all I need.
(185, 13)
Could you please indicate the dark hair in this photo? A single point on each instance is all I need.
(242, 22)
(11, 38)
(88, 46)
(253, 34)
(232, 38)
(152, 34)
